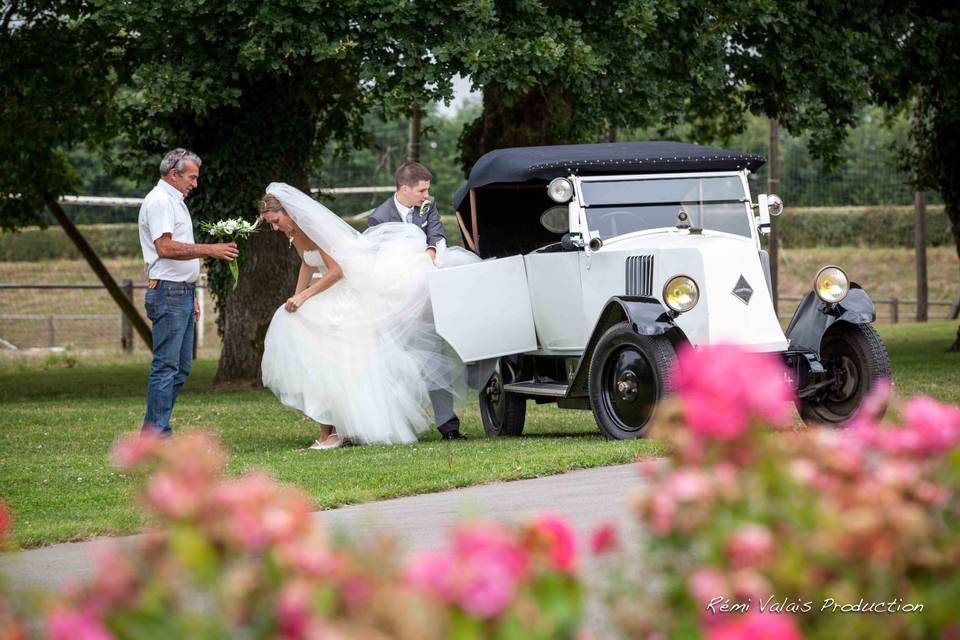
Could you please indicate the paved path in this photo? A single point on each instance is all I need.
(587, 497)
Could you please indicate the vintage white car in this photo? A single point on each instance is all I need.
(602, 259)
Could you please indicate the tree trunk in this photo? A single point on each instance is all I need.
(542, 116)
(268, 276)
(950, 190)
(413, 137)
(773, 186)
(920, 248)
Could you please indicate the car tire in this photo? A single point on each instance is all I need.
(627, 377)
(857, 357)
(502, 413)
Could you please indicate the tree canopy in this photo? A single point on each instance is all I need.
(259, 90)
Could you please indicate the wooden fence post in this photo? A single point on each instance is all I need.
(126, 328)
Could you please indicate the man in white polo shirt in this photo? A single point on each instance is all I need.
(173, 265)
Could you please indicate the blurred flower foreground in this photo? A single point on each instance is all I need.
(758, 528)
(753, 527)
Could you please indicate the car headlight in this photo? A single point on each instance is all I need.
(560, 190)
(831, 284)
(681, 294)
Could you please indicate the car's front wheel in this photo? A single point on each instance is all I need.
(854, 358)
(627, 377)
(502, 413)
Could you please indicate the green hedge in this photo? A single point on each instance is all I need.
(868, 226)
(860, 226)
(111, 241)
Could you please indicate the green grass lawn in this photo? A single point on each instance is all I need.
(58, 423)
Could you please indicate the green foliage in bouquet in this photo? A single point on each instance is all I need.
(230, 230)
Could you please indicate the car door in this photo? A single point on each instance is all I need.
(554, 282)
(483, 310)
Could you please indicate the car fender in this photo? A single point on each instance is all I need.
(814, 316)
(647, 316)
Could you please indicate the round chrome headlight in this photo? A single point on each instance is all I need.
(831, 284)
(560, 190)
(681, 294)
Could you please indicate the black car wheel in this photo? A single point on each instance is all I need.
(628, 376)
(502, 413)
(854, 358)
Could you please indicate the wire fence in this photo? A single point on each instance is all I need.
(65, 307)
(83, 317)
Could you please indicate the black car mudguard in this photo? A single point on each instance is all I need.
(814, 316)
(647, 316)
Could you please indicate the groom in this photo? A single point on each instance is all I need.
(412, 203)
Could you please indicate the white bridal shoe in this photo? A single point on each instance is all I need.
(339, 442)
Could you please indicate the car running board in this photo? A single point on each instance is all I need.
(552, 390)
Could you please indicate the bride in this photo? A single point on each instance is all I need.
(354, 348)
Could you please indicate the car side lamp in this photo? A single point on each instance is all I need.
(767, 206)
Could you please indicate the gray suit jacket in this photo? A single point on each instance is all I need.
(429, 222)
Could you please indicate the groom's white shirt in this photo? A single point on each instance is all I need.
(164, 211)
(404, 211)
(406, 216)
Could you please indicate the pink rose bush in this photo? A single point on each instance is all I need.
(244, 558)
(761, 528)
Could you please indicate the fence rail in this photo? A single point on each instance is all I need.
(892, 303)
(125, 328)
(47, 321)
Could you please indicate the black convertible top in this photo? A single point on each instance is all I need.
(525, 164)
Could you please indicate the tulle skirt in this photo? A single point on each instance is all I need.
(364, 355)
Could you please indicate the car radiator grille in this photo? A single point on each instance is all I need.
(640, 276)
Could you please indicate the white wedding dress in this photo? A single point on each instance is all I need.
(362, 355)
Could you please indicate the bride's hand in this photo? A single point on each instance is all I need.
(294, 302)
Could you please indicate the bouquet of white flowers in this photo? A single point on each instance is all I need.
(230, 230)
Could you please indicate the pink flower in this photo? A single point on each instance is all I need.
(604, 539)
(482, 588)
(293, 610)
(169, 495)
(70, 624)
(688, 485)
(561, 541)
(481, 572)
(754, 626)
(132, 449)
(489, 590)
(5, 520)
(936, 426)
(433, 572)
(723, 386)
(115, 582)
(257, 511)
(309, 556)
(751, 545)
(706, 584)
(484, 543)
(662, 511)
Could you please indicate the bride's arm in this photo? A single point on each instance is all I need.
(327, 280)
(306, 274)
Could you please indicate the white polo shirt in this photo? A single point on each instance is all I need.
(164, 211)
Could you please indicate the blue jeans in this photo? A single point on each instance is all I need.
(170, 309)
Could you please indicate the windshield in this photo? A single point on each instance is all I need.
(617, 207)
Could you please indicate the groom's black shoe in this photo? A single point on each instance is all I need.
(453, 435)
